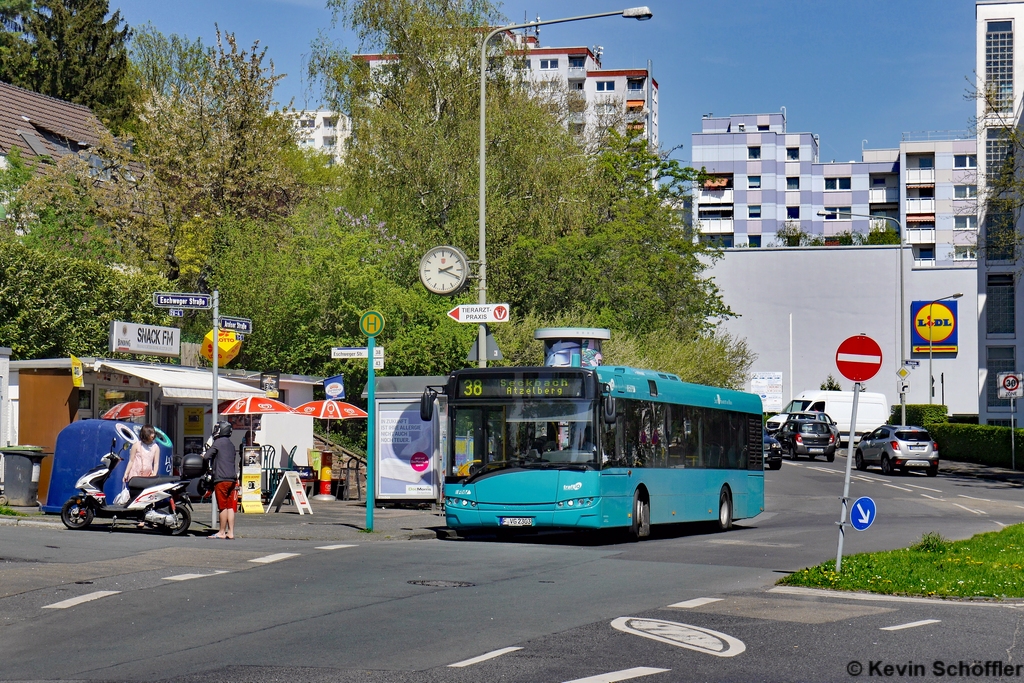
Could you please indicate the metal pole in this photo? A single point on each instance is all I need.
(931, 334)
(481, 343)
(1013, 435)
(846, 480)
(371, 423)
(216, 371)
(791, 381)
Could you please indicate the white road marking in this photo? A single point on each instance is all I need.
(71, 602)
(186, 577)
(1020, 506)
(977, 512)
(893, 486)
(681, 635)
(274, 558)
(867, 479)
(696, 602)
(483, 657)
(932, 497)
(624, 675)
(913, 485)
(333, 547)
(913, 624)
(993, 521)
(973, 498)
(823, 469)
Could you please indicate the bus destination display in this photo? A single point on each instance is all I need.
(521, 387)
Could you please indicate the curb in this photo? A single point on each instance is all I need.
(23, 521)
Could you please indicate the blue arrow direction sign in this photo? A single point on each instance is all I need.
(238, 325)
(181, 300)
(862, 515)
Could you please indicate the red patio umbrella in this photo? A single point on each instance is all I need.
(331, 410)
(256, 405)
(126, 411)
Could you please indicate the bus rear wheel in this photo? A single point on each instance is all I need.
(724, 511)
(641, 526)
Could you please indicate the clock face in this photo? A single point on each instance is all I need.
(444, 270)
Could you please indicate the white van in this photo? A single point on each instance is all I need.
(872, 410)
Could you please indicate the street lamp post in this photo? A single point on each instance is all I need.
(639, 13)
(903, 305)
(931, 340)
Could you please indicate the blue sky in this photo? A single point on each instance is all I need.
(849, 71)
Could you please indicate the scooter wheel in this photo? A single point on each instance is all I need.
(76, 515)
(184, 520)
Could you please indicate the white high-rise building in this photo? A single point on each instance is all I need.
(326, 131)
(1000, 66)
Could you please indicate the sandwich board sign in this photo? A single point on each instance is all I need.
(290, 484)
(252, 493)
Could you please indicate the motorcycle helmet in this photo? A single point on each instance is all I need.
(222, 429)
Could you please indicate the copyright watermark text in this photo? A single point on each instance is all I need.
(937, 669)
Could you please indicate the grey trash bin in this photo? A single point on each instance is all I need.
(21, 476)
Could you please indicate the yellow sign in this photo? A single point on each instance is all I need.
(371, 323)
(902, 372)
(252, 494)
(228, 347)
(77, 372)
(194, 420)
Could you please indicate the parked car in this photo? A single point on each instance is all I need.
(817, 415)
(808, 437)
(772, 451)
(900, 448)
(872, 410)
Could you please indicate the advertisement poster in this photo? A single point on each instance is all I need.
(194, 420)
(270, 383)
(405, 448)
(767, 385)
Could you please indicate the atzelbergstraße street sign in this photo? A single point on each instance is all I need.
(239, 325)
(182, 300)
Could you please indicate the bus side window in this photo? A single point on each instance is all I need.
(659, 441)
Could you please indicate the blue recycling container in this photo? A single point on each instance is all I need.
(79, 448)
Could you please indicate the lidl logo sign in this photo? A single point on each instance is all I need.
(934, 327)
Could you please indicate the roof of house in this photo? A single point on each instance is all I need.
(39, 125)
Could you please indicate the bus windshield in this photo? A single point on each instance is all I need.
(527, 434)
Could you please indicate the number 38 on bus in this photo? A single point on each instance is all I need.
(597, 448)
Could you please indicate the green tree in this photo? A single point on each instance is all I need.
(831, 384)
(68, 49)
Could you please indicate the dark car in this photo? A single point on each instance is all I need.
(901, 448)
(808, 437)
(817, 415)
(772, 451)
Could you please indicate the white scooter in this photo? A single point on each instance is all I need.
(160, 502)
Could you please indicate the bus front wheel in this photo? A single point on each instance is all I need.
(724, 511)
(641, 526)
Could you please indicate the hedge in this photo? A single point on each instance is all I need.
(919, 414)
(981, 444)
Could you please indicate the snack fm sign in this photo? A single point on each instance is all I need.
(933, 327)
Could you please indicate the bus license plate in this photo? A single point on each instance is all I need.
(816, 450)
(918, 463)
(516, 521)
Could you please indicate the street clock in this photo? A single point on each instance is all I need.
(444, 270)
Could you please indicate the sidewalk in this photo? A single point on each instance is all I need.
(332, 520)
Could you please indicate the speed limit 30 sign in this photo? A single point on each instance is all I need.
(1011, 384)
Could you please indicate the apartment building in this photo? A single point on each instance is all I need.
(999, 70)
(325, 131)
(595, 98)
(768, 184)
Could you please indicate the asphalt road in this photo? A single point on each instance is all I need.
(686, 605)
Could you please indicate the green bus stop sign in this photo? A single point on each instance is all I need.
(371, 323)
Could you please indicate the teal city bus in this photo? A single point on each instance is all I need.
(597, 448)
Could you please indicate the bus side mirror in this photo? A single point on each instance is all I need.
(427, 405)
(608, 409)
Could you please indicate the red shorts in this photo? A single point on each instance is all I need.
(225, 492)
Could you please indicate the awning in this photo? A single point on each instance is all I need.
(181, 383)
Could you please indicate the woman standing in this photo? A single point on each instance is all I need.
(144, 458)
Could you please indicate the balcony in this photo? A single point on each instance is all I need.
(924, 263)
(920, 176)
(716, 226)
(576, 72)
(884, 195)
(921, 236)
(723, 196)
(920, 205)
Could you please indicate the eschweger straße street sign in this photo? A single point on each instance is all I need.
(182, 300)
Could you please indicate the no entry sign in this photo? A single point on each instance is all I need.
(859, 358)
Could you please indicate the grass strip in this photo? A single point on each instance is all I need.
(988, 565)
(6, 511)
